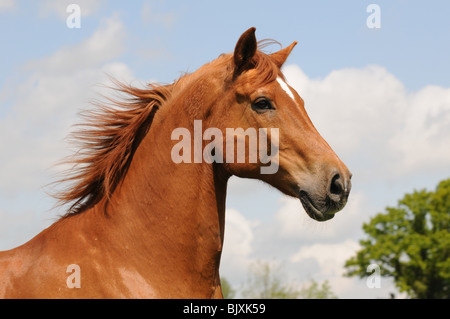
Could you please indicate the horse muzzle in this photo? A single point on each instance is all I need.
(322, 207)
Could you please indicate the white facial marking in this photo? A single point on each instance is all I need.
(285, 87)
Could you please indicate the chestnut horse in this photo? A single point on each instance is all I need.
(142, 225)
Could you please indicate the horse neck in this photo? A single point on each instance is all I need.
(173, 214)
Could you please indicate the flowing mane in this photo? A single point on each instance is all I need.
(107, 143)
(111, 133)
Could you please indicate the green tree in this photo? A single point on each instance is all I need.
(411, 244)
(265, 282)
(313, 290)
(227, 291)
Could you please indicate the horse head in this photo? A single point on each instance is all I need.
(257, 98)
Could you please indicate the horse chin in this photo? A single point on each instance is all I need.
(311, 210)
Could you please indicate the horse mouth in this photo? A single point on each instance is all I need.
(311, 210)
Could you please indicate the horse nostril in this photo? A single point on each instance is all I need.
(336, 188)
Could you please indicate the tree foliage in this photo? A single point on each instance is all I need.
(266, 282)
(314, 290)
(227, 291)
(411, 244)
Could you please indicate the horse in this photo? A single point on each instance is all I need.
(143, 225)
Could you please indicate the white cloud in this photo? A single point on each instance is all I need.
(6, 5)
(25, 222)
(44, 106)
(105, 44)
(350, 106)
(367, 114)
(237, 244)
(330, 257)
(40, 120)
(424, 139)
(330, 260)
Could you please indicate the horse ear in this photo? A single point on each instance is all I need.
(281, 56)
(244, 51)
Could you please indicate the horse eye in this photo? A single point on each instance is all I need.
(262, 104)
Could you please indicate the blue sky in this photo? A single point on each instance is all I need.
(380, 97)
(413, 37)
